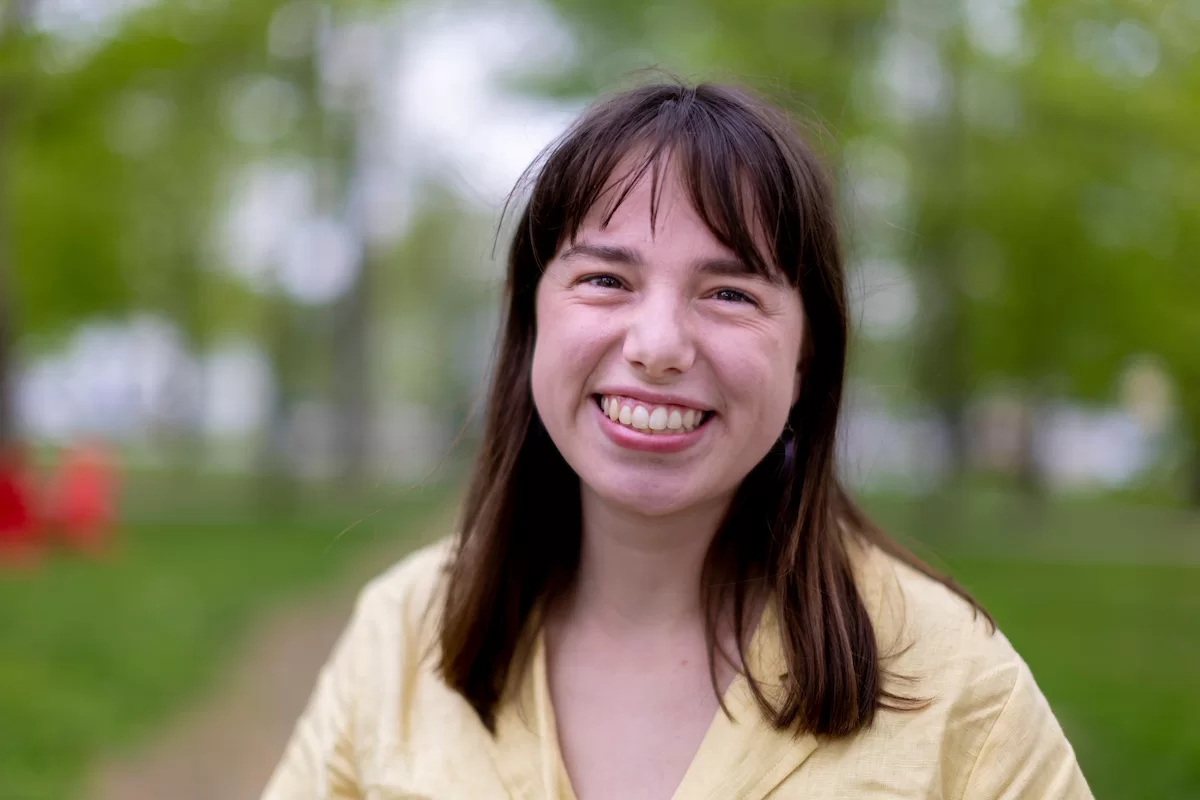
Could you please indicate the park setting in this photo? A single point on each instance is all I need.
(252, 255)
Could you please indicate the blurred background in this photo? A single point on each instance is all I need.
(249, 274)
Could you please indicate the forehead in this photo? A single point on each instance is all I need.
(654, 203)
(640, 208)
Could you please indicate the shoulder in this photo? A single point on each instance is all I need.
(393, 626)
(417, 576)
(356, 705)
(930, 633)
(976, 697)
(407, 593)
(391, 639)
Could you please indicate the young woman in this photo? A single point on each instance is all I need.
(660, 589)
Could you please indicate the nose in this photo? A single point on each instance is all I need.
(658, 342)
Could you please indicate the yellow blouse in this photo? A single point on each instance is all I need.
(381, 725)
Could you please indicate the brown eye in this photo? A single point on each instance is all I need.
(604, 281)
(733, 296)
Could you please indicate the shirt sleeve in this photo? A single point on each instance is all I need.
(319, 762)
(1026, 755)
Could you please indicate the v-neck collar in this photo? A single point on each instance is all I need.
(525, 746)
(740, 756)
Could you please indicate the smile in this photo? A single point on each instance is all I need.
(651, 418)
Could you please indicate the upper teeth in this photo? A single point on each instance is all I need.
(651, 418)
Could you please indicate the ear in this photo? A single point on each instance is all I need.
(796, 387)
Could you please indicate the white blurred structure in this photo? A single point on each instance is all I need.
(430, 85)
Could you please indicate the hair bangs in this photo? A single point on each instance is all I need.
(732, 173)
(730, 167)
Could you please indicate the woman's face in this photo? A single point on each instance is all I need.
(663, 369)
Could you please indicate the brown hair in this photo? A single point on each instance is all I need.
(747, 171)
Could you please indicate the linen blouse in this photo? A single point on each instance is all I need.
(382, 725)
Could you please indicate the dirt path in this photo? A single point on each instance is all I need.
(226, 747)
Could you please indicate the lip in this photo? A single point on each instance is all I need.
(633, 439)
(655, 398)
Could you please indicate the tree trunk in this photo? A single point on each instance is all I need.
(942, 362)
(185, 440)
(1031, 479)
(12, 19)
(353, 374)
(278, 490)
(945, 379)
(8, 422)
(1191, 424)
(1193, 478)
(343, 155)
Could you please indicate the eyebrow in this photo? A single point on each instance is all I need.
(610, 254)
(627, 256)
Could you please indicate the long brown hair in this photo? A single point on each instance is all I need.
(747, 170)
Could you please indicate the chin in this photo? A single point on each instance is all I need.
(646, 496)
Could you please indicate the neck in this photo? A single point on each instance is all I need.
(642, 572)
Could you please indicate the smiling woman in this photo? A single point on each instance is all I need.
(660, 589)
(649, 308)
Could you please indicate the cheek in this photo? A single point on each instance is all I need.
(564, 353)
(563, 347)
(758, 376)
(544, 358)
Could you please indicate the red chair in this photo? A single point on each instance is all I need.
(82, 498)
(20, 533)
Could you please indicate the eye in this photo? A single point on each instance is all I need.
(603, 281)
(733, 296)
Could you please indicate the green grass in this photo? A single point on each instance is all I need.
(95, 654)
(1103, 602)
(1116, 649)
(1101, 598)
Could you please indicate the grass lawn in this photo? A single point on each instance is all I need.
(1103, 602)
(1101, 598)
(94, 654)
(1116, 649)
